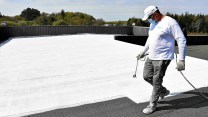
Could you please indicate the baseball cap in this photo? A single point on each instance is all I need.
(149, 11)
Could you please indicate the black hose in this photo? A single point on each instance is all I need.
(190, 82)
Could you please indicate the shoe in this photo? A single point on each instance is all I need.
(162, 96)
(150, 109)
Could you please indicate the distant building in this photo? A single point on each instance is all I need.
(108, 24)
(133, 24)
(3, 24)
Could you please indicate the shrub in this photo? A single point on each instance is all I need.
(22, 23)
(10, 23)
(60, 22)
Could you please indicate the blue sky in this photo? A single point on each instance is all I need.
(109, 10)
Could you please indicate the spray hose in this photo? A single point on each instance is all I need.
(190, 82)
(134, 76)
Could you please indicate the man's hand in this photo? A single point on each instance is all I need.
(140, 55)
(181, 65)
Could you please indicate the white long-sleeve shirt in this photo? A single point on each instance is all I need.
(161, 40)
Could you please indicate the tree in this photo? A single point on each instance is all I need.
(19, 18)
(135, 21)
(62, 14)
(131, 21)
(99, 22)
(77, 18)
(60, 23)
(200, 23)
(206, 24)
(30, 14)
(52, 18)
(43, 19)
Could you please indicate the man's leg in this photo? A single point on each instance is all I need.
(159, 68)
(148, 71)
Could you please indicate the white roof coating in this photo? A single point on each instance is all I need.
(38, 74)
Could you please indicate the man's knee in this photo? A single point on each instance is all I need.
(147, 78)
(157, 80)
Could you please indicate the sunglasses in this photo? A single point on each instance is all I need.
(151, 16)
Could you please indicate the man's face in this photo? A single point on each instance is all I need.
(153, 17)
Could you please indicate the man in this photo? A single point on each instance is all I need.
(163, 32)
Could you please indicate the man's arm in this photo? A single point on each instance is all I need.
(142, 53)
(146, 47)
(181, 41)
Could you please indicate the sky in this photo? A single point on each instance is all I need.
(108, 10)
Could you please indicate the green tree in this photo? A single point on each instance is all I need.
(136, 22)
(78, 18)
(99, 22)
(11, 23)
(62, 13)
(206, 24)
(131, 21)
(8, 18)
(52, 18)
(30, 14)
(200, 24)
(22, 23)
(19, 18)
(43, 19)
(60, 23)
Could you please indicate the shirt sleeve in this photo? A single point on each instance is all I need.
(146, 47)
(181, 40)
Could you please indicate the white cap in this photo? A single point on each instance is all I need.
(149, 11)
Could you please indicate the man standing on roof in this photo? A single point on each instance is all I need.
(163, 32)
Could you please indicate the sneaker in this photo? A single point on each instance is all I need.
(162, 96)
(150, 109)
